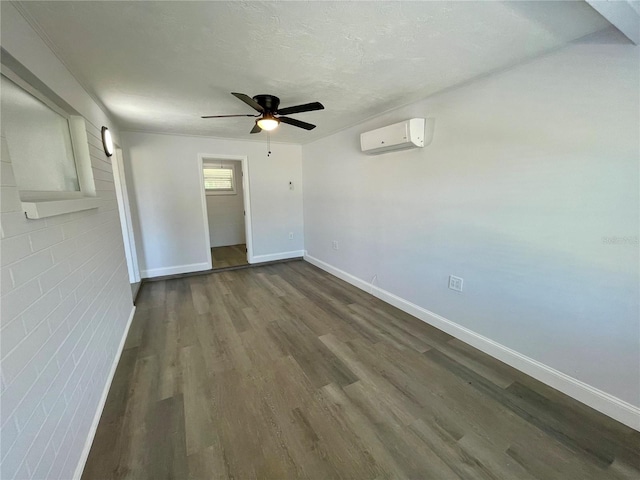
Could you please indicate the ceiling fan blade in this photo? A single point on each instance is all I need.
(249, 101)
(297, 123)
(226, 116)
(255, 129)
(307, 107)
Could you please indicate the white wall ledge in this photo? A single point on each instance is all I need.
(50, 208)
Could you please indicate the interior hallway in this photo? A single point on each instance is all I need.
(229, 256)
(284, 371)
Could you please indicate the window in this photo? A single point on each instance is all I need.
(45, 139)
(219, 180)
(39, 142)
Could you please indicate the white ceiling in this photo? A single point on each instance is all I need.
(159, 66)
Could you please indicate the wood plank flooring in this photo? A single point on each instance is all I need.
(285, 372)
(229, 256)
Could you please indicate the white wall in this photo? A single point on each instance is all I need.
(166, 185)
(530, 174)
(225, 212)
(65, 300)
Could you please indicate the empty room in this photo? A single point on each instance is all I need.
(320, 240)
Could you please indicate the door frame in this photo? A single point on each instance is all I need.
(124, 209)
(246, 200)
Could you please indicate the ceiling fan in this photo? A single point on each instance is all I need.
(270, 116)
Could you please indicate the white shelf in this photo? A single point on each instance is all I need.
(50, 208)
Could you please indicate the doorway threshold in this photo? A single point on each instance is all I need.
(218, 270)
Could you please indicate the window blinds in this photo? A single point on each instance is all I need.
(218, 179)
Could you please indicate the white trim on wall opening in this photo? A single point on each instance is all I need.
(124, 208)
(246, 197)
(39, 203)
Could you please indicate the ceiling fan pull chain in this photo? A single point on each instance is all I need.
(268, 144)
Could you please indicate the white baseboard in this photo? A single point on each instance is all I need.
(614, 407)
(276, 256)
(160, 272)
(105, 392)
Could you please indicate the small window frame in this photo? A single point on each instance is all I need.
(41, 204)
(220, 191)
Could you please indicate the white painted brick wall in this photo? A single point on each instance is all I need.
(65, 301)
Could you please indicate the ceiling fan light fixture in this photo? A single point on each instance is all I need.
(268, 123)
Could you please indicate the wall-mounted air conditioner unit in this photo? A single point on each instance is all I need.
(399, 136)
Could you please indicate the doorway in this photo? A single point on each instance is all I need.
(126, 223)
(226, 193)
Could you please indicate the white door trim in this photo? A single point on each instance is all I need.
(246, 198)
(124, 208)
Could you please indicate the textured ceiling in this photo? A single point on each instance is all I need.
(158, 66)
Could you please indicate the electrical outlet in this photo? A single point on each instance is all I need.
(334, 245)
(455, 283)
(290, 235)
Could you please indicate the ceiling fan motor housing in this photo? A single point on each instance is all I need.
(269, 103)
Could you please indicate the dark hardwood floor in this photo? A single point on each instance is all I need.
(285, 372)
(229, 256)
